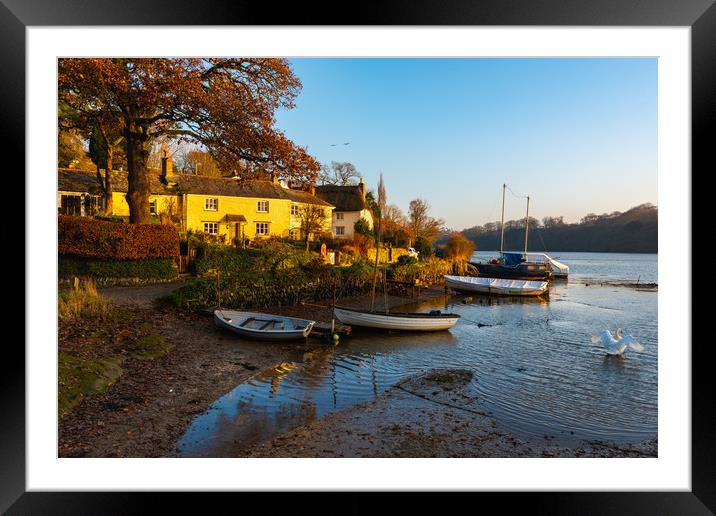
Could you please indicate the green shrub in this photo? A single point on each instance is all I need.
(423, 247)
(153, 268)
(272, 279)
(406, 260)
(269, 257)
(362, 227)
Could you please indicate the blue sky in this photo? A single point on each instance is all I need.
(577, 135)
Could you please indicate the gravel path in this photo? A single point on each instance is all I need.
(143, 295)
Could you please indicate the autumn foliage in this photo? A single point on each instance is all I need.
(458, 248)
(89, 238)
(225, 105)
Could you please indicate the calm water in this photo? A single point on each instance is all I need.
(535, 367)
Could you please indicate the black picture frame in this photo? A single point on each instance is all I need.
(700, 15)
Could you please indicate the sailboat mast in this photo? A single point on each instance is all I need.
(502, 223)
(527, 223)
(381, 209)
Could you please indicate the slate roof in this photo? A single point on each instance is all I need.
(70, 180)
(344, 198)
(305, 197)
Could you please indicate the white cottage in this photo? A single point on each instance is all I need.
(350, 207)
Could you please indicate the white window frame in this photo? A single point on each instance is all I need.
(294, 210)
(259, 204)
(339, 216)
(152, 206)
(342, 231)
(209, 201)
(208, 225)
(268, 228)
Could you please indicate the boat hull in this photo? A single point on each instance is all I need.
(231, 320)
(559, 270)
(496, 286)
(531, 271)
(396, 321)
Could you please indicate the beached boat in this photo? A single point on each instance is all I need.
(498, 286)
(263, 326)
(432, 321)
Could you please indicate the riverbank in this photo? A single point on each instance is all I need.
(154, 401)
(147, 409)
(428, 415)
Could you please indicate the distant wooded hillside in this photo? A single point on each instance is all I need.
(634, 231)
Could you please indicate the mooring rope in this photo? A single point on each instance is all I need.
(518, 196)
(421, 396)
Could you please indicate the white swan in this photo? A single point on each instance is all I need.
(616, 345)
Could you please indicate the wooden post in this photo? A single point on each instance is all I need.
(333, 311)
(218, 287)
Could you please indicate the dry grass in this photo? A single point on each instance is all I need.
(82, 302)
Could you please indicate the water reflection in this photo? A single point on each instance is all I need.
(292, 394)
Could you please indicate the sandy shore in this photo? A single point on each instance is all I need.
(429, 415)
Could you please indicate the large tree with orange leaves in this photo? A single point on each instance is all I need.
(226, 104)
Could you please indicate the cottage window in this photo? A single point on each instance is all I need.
(262, 207)
(211, 204)
(262, 228)
(153, 207)
(339, 216)
(71, 205)
(340, 230)
(294, 210)
(211, 228)
(80, 205)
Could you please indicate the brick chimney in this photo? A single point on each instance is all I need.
(361, 187)
(167, 166)
(312, 189)
(274, 177)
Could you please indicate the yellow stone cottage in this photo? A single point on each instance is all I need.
(229, 208)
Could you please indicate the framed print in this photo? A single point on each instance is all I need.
(302, 253)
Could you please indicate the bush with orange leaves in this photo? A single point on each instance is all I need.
(90, 238)
(458, 248)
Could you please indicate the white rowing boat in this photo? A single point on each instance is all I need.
(433, 321)
(260, 326)
(506, 287)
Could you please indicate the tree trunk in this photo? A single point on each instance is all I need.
(138, 186)
(108, 202)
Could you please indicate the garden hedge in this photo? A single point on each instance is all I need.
(151, 268)
(90, 238)
(258, 278)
